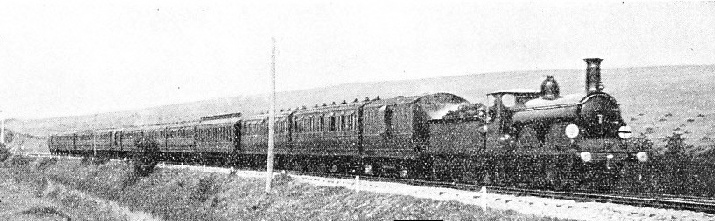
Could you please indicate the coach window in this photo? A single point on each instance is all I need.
(321, 124)
(224, 133)
(299, 125)
(313, 124)
(388, 121)
(349, 122)
(332, 123)
(317, 119)
(227, 132)
(324, 120)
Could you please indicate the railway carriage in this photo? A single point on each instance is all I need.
(253, 141)
(327, 137)
(84, 140)
(180, 141)
(102, 141)
(127, 141)
(156, 133)
(330, 130)
(395, 130)
(62, 144)
(218, 137)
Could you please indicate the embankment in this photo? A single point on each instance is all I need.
(182, 194)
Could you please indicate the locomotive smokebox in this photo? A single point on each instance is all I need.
(593, 75)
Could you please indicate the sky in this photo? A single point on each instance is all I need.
(62, 58)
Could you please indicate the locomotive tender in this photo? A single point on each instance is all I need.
(524, 137)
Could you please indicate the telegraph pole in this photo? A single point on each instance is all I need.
(2, 128)
(271, 120)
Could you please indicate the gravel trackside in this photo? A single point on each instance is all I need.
(541, 207)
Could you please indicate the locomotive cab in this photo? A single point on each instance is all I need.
(503, 105)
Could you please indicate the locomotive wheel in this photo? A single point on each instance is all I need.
(322, 167)
(559, 180)
(297, 165)
(553, 179)
(368, 169)
(334, 168)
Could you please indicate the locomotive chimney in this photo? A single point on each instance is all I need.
(593, 75)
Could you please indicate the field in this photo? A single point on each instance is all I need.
(88, 191)
(656, 101)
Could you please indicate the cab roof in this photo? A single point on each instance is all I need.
(516, 92)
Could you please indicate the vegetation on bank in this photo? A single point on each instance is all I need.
(4, 153)
(181, 194)
(674, 168)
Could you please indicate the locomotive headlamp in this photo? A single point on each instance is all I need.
(642, 156)
(572, 131)
(586, 156)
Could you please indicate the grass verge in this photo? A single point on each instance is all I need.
(182, 194)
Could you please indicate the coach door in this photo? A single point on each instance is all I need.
(237, 136)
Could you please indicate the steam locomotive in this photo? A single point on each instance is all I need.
(537, 138)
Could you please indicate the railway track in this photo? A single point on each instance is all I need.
(663, 201)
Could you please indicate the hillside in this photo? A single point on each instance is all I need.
(656, 101)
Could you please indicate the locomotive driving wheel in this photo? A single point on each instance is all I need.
(557, 177)
(333, 168)
(554, 179)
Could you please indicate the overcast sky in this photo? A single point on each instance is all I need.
(60, 58)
